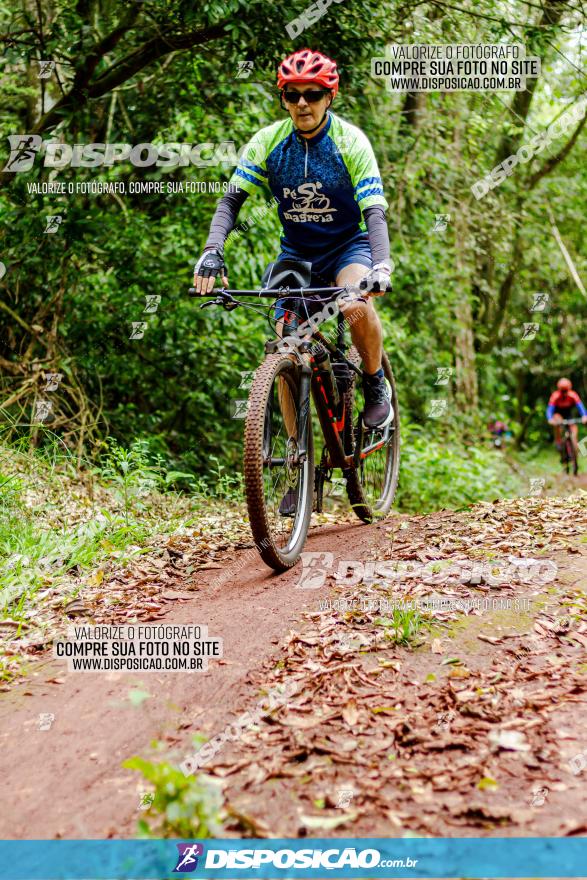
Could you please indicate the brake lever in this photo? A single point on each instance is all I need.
(225, 300)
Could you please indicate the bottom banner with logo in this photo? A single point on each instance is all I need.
(335, 857)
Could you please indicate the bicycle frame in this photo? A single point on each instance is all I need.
(566, 433)
(332, 428)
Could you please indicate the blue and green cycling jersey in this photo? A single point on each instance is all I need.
(322, 183)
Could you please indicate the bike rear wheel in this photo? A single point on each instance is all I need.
(372, 485)
(272, 469)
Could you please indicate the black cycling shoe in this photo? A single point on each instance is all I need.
(289, 503)
(378, 411)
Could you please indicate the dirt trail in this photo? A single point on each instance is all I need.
(70, 782)
(70, 779)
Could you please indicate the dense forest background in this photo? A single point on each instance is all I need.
(171, 71)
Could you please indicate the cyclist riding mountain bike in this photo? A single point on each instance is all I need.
(324, 175)
(560, 406)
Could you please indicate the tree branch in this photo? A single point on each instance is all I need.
(124, 69)
(555, 160)
(11, 366)
(84, 73)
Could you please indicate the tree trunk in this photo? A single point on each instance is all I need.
(466, 373)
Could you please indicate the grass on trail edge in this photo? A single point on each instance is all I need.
(60, 530)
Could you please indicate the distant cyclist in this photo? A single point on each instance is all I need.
(499, 432)
(324, 175)
(560, 407)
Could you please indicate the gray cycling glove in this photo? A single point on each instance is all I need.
(210, 263)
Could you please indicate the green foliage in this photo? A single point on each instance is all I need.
(182, 806)
(86, 285)
(404, 626)
(50, 530)
(436, 473)
(130, 474)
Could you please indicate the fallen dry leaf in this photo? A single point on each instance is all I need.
(509, 740)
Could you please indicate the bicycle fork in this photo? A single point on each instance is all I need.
(304, 411)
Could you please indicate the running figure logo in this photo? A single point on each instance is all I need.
(187, 860)
(313, 576)
(23, 149)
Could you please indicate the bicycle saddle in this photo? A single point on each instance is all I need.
(287, 273)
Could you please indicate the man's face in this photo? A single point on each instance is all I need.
(306, 116)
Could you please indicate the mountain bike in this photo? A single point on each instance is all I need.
(283, 483)
(568, 450)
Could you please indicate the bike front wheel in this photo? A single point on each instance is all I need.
(571, 457)
(279, 481)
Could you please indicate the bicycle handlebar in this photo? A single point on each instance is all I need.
(570, 422)
(269, 293)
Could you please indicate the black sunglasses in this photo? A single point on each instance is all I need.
(312, 96)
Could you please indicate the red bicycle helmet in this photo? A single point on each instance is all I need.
(564, 384)
(305, 66)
